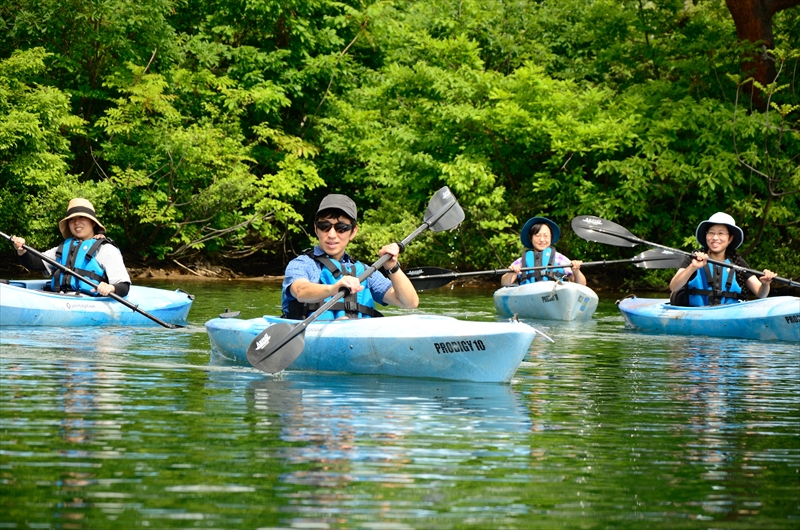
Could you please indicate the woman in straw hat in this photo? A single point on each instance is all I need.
(709, 284)
(539, 234)
(94, 258)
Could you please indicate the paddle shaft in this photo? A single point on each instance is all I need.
(640, 241)
(90, 282)
(542, 267)
(301, 326)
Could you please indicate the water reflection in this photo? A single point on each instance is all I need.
(604, 428)
(345, 424)
(728, 396)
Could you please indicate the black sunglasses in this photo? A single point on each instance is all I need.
(324, 226)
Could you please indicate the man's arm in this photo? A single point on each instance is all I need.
(306, 292)
(402, 292)
(301, 282)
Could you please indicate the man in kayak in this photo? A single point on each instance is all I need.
(318, 274)
(85, 250)
(714, 284)
(539, 234)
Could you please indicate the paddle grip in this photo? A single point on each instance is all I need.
(632, 238)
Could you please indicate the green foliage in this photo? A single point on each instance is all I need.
(648, 142)
(215, 127)
(185, 185)
(34, 149)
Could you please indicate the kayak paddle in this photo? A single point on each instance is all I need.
(599, 230)
(82, 278)
(279, 345)
(425, 278)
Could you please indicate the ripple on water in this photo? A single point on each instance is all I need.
(604, 427)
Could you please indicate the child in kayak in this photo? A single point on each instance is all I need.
(539, 234)
(319, 273)
(700, 283)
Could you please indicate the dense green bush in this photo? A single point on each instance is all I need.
(213, 128)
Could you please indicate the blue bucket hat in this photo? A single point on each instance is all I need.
(525, 236)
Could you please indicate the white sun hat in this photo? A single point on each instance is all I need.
(720, 218)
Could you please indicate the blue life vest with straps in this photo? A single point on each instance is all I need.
(714, 286)
(538, 259)
(354, 305)
(80, 257)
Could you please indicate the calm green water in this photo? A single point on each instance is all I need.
(606, 428)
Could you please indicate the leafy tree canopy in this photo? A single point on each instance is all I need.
(213, 128)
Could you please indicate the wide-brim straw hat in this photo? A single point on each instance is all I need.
(525, 236)
(79, 208)
(720, 218)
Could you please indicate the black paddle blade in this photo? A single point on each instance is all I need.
(268, 355)
(599, 230)
(449, 220)
(658, 259)
(420, 277)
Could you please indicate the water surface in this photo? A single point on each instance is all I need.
(605, 428)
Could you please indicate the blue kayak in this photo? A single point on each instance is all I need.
(26, 303)
(412, 346)
(775, 318)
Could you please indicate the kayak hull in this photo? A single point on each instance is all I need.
(407, 346)
(775, 318)
(25, 303)
(547, 300)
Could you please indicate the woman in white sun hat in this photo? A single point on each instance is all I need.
(708, 284)
(94, 258)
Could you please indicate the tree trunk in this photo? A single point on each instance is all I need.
(753, 20)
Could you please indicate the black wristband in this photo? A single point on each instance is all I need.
(393, 269)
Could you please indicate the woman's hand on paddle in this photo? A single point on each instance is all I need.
(577, 275)
(510, 278)
(104, 289)
(767, 278)
(761, 287)
(699, 260)
(18, 243)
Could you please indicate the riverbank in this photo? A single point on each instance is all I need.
(619, 280)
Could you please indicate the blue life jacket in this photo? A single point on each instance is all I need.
(706, 288)
(354, 305)
(539, 259)
(80, 257)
